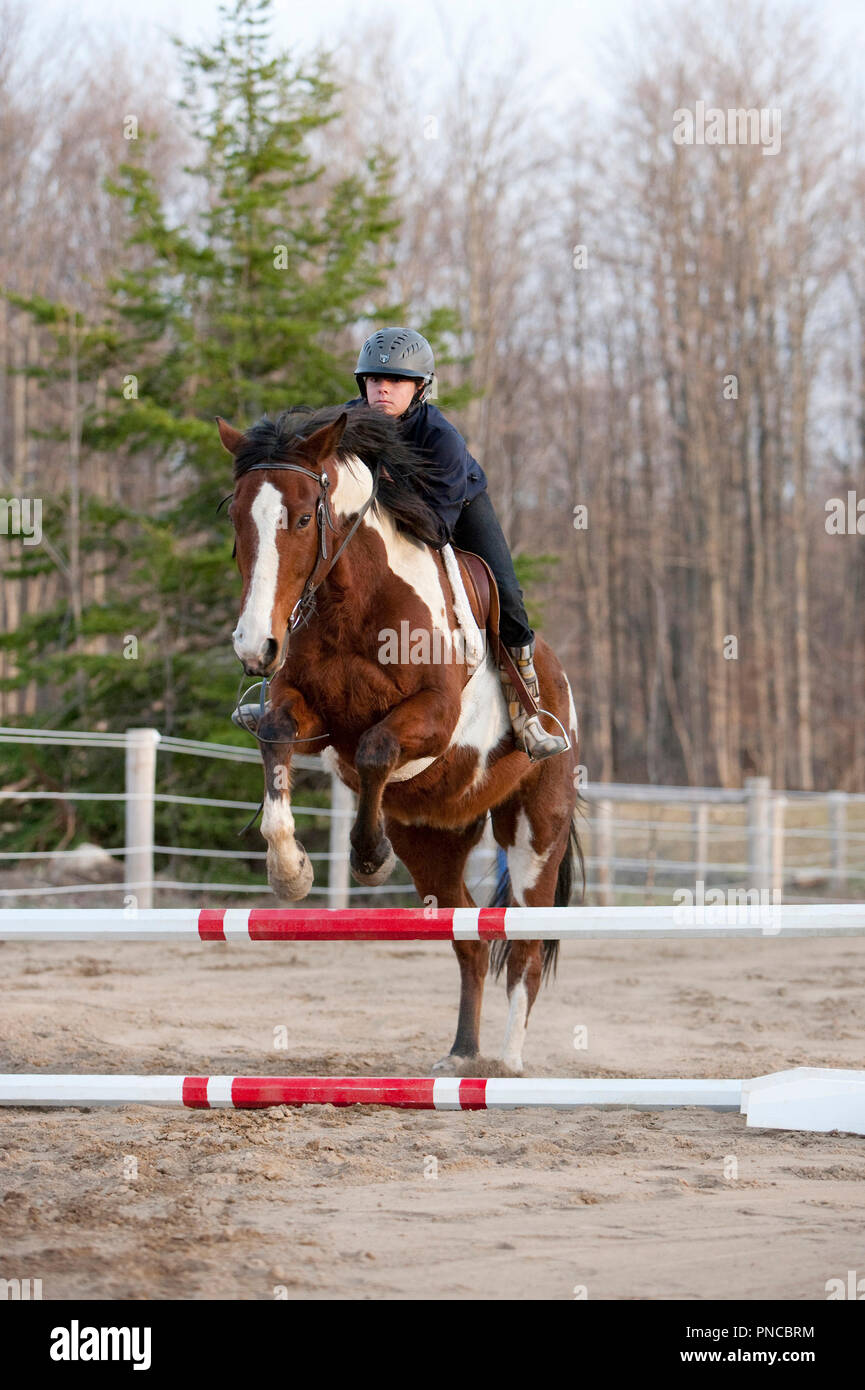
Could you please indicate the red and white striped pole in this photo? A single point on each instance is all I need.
(404, 1093)
(425, 924)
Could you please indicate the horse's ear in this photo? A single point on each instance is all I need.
(325, 442)
(231, 438)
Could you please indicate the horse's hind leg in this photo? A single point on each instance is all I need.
(523, 982)
(525, 959)
(436, 860)
(536, 842)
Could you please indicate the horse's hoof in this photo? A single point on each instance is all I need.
(291, 888)
(453, 1065)
(371, 873)
(511, 1066)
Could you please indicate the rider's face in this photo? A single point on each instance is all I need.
(390, 394)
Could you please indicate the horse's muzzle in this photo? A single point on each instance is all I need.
(264, 662)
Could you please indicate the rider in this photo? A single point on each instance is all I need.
(394, 373)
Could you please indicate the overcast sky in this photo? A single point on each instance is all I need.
(561, 37)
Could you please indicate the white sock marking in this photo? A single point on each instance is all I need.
(515, 1028)
(277, 827)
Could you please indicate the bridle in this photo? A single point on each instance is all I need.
(305, 606)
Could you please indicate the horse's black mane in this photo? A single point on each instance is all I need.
(375, 438)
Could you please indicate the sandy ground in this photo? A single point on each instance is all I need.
(323, 1203)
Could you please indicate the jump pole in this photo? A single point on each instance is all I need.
(817, 1099)
(403, 1093)
(442, 924)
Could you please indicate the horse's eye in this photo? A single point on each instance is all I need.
(304, 521)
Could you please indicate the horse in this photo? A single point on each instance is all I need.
(417, 729)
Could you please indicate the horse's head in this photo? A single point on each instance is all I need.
(275, 514)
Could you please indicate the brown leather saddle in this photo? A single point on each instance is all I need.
(483, 595)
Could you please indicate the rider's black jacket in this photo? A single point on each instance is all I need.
(458, 477)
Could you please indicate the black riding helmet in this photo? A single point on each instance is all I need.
(397, 352)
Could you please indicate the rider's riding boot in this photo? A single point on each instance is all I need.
(529, 733)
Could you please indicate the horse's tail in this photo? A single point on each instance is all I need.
(572, 859)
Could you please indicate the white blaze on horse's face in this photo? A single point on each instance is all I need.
(255, 626)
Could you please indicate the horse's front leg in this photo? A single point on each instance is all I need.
(420, 727)
(289, 871)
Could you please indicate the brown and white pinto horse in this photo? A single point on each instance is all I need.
(423, 739)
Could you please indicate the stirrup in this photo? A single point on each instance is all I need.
(247, 714)
(246, 717)
(530, 735)
(538, 743)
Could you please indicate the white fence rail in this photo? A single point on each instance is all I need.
(764, 833)
(140, 796)
(685, 835)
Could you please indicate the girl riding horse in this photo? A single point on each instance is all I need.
(394, 373)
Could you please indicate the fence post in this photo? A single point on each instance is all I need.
(757, 796)
(606, 877)
(837, 807)
(140, 790)
(341, 803)
(779, 806)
